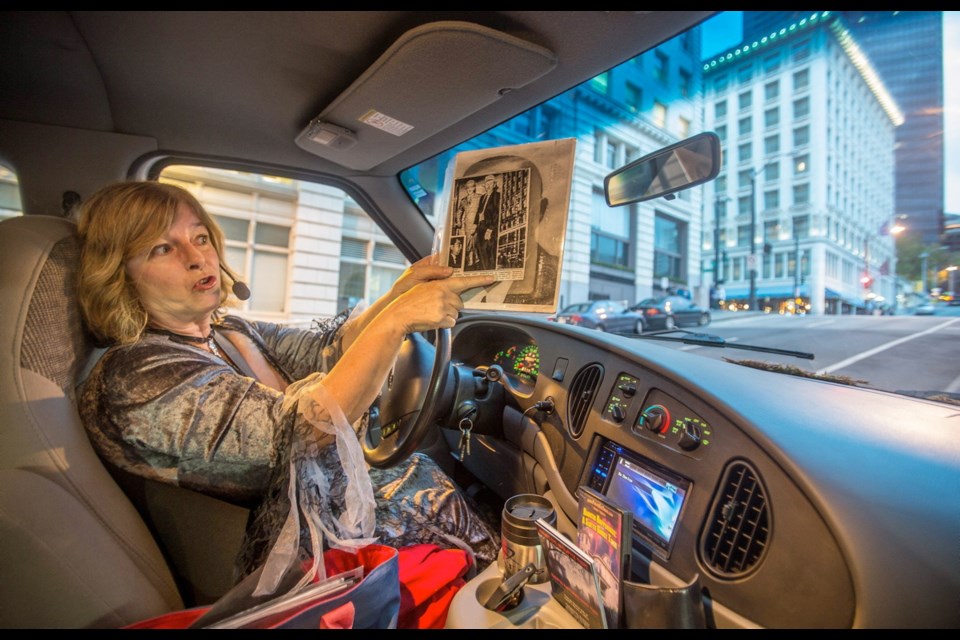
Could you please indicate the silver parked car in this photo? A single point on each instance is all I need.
(604, 315)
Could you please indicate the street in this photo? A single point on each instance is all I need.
(893, 353)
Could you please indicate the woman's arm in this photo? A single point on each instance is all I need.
(355, 381)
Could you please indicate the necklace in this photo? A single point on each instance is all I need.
(179, 337)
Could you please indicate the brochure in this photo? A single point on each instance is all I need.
(507, 216)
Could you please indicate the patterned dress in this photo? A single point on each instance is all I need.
(169, 411)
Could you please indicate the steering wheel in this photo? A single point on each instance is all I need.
(410, 401)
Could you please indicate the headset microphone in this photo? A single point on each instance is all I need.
(241, 290)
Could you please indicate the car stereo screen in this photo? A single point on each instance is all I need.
(654, 500)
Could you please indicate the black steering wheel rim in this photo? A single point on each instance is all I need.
(410, 402)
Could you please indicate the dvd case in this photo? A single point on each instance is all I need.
(574, 581)
(604, 532)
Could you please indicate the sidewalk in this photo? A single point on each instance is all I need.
(722, 315)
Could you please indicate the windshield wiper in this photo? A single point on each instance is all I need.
(710, 340)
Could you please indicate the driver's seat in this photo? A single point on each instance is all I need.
(74, 552)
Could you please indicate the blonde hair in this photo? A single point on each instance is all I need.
(119, 222)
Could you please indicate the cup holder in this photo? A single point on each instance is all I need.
(501, 603)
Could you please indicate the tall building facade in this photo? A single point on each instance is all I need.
(906, 49)
(805, 202)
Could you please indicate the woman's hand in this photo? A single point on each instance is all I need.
(430, 304)
(423, 270)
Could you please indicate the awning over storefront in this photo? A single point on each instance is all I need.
(740, 293)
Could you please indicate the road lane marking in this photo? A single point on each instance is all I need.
(822, 323)
(883, 347)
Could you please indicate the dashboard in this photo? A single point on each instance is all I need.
(755, 482)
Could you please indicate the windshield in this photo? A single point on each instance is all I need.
(833, 224)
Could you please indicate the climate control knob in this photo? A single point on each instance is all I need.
(655, 418)
(690, 436)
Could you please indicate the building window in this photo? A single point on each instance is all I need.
(771, 117)
(743, 206)
(772, 171)
(801, 51)
(801, 165)
(686, 83)
(659, 114)
(745, 72)
(778, 271)
(744, 152)
(771, 63)
(771, 91)
(609, 233)
(801, 80)
(771, 145)
(634, 97)
(801, 108)
(10, 204)
(801, 227)
(661, 66)
(610, 157)
(721, 132)
(720, 83)
(720, 110)
(669, 248)
(745, 100)
(745, 126)
(683, 130)
(771, 230)
(721, 184)
(743, 235)
(801, 136)
(801, 194)
(743, 179)
(771, 200)
(601, 83)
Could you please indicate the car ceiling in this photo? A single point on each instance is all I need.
(243, 85)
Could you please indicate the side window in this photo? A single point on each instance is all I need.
(9, 194)
(306, 250)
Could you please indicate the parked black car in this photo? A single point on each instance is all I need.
(605, 315)
(671, 312)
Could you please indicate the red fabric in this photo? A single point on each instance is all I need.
(173, 620)
(429, 578)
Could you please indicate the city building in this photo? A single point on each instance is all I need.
(804, 119)
(891, 40)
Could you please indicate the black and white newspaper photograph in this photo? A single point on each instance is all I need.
(507, 216)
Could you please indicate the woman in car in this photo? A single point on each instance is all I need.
(269, 406)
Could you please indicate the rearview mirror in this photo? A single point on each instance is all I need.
(685, 164)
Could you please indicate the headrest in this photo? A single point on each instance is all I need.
(43, 329)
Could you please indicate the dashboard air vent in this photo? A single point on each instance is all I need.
(583, 389)
(735, 537)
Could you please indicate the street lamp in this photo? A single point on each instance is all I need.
(884, 230)
(752, 259)
(720, 199)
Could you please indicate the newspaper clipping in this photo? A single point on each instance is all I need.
(508, 216)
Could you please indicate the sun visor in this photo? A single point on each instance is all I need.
(432, 77)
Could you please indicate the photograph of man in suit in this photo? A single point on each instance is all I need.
(488, 223)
